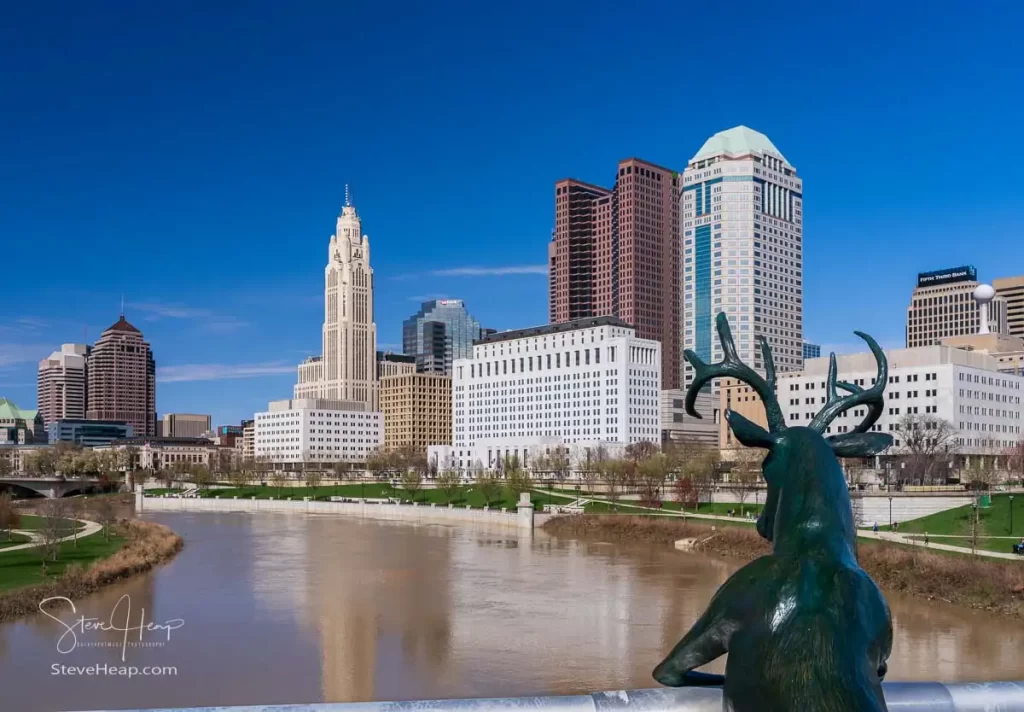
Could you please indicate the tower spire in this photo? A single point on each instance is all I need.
(122, 305)
(348, 201)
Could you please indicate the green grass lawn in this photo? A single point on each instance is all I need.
(1003, 546)
(13, 540)
(33, 522)
(375, 490)
(24, 567)
(992, 521)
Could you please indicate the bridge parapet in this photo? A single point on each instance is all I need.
(899, 696)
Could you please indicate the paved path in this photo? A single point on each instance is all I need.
(864, 533)
(90, 528)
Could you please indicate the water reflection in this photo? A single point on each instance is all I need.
(297, 608)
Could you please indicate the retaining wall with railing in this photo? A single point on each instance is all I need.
(523, 518)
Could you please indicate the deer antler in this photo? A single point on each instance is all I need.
(731, 366)
(871, 397)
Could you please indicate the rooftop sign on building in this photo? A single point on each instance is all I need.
(966, 273)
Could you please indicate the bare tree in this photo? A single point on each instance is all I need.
(240, 475)
(686, 493)
(615, 479)
(488, 484)
(561, 464)
(448, 481)
(926, 442)
(313, 479)
(1015, 460)
(54, 528)
(201, 476)
(6, 468)
(10, 519)
(277, 479)
(106, 514)
(746, 473)
(982, 473)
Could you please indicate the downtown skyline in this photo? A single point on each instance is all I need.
(225, 278)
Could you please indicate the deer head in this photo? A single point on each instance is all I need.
(807, 494)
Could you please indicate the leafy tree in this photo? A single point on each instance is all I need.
(488, 485)
(651, 475)
(412, 480)
(686, 493)
(448, 481)
(518, 480)
(201, 476)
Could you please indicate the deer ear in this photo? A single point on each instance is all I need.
(859, 444)
(748, 432)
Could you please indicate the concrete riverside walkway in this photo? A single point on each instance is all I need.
(90, 528)
(910, 539)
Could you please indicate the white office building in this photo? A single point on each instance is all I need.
(741, 216)
(317, 431)
(580, 384)
(964, 388)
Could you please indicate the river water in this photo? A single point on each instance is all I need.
(298, 608)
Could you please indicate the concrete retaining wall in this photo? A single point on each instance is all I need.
(904, 508)
(399, 512)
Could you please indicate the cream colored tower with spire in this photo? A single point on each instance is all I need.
(346, 370)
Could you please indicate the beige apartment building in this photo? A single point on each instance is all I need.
(739, 398)
(417, 410)
(185, 425)
(943, 305)
(1012, 290)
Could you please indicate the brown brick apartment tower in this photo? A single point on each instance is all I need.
(122, 379)
(616, 253)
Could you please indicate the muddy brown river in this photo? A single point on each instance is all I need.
(298, 608)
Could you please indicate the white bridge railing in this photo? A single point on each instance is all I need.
(899, 697)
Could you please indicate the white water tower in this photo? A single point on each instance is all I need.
(983, 295)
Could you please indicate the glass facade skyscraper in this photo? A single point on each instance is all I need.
(440, 332)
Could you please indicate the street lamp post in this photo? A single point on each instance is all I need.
(1011, 515)
(890, 513)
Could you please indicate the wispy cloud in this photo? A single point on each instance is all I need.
(221, 371)
(489, 271)
(505, 271)
(205, 318)
(31, 322)
(12, 354)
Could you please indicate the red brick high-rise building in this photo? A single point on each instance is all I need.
(616, 253)
(122, 379)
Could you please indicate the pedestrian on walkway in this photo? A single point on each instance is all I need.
(874, 527)
(926, 538)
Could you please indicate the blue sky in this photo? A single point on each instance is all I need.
(193, 158)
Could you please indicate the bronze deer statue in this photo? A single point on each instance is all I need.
(804, 626)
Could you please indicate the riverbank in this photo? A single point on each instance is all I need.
(137, 547)
(964, 581)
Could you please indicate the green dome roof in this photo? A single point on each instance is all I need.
(739, 141)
